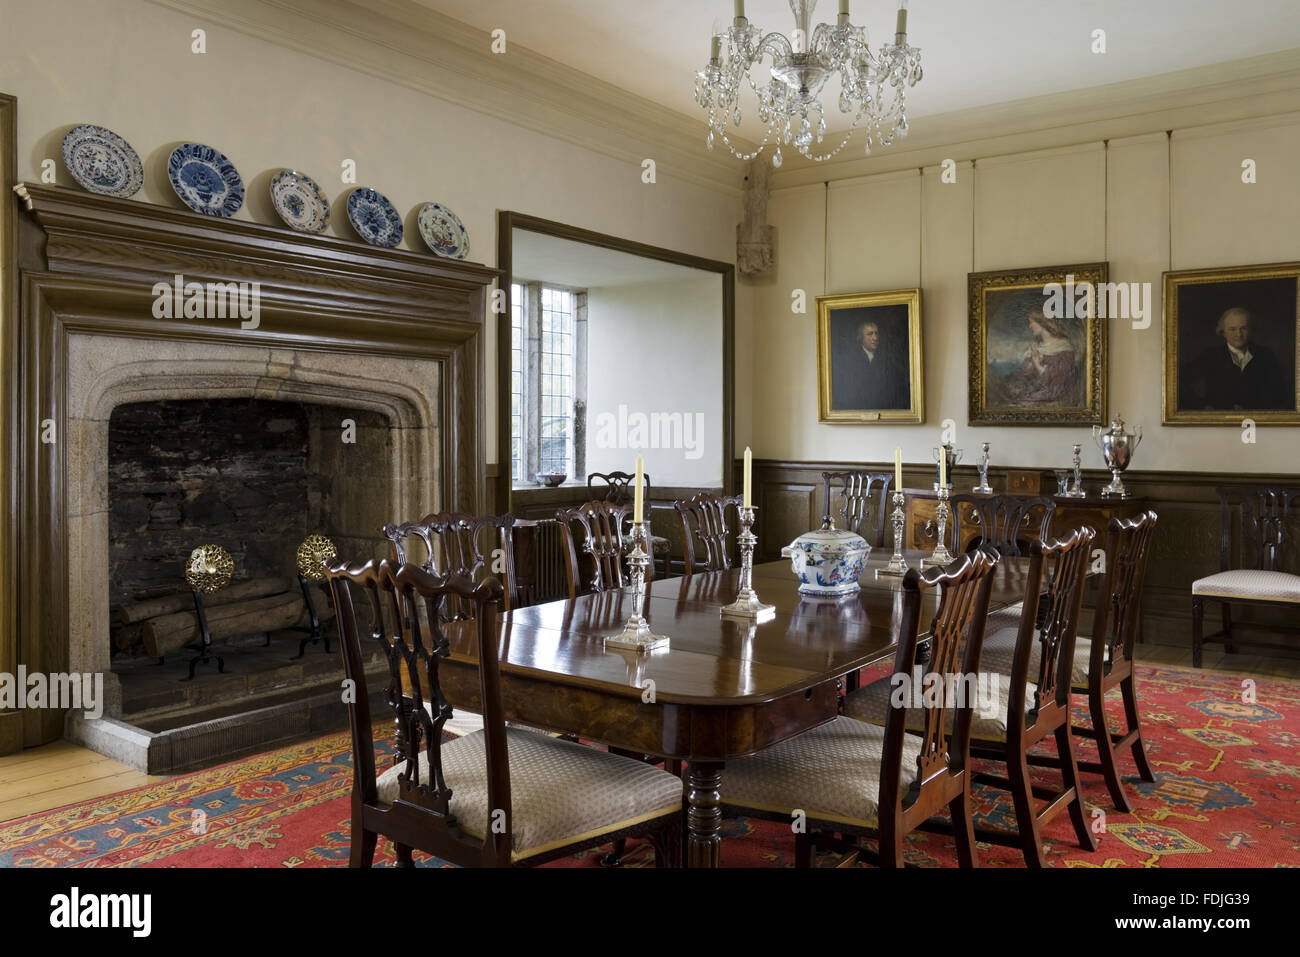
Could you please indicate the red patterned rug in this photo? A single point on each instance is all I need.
(1227, 794)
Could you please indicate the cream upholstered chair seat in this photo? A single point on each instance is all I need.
(1000, 649)
(560, 792)
(832, 773)
(1251, 584)
(871, 703)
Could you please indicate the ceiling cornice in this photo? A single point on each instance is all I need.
(406, 43)
(1235, 90)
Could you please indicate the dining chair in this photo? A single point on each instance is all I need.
(862, 780)
(703, 519)
(619, 491)
(501, 796)
(1259, 578)
(1027, 697)
(593, 545)
(856, 502)
(1007, 523)
(453, 542)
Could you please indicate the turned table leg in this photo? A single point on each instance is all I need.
(704, 814)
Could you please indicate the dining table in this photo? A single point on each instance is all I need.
(723, 689)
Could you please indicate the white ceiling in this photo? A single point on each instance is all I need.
(543, 258)
(973, 53)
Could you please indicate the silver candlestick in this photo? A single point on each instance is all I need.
(983, 488)
(941, 555)
(747, 605)
(1076, 491)
(636, 633)
(897, 566)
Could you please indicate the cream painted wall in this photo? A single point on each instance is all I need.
(1073, 204)
(127, 65)
(657, 348)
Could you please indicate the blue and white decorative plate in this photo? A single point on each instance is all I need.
(205, 180)
(443, 231)
(374, 218)
(102, 162)
(299, 201)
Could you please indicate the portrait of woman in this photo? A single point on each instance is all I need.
(1049, 372)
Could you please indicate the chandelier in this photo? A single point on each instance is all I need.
(873, 85)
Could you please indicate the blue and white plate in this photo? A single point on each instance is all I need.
(299, 201)
(205, 180)
(443, 231)
(102, 162)
(374, 218)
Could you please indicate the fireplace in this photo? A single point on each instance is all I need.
(381, 342)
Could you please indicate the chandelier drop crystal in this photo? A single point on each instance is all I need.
(873, 85)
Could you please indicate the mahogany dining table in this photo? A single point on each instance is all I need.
(723, 689)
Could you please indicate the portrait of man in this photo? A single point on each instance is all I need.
(869, 356)
(1230, 345)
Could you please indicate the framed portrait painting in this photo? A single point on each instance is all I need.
(1230, 346)
(869, 357)
(1037, 346)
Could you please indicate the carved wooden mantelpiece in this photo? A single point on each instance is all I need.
(339, 322)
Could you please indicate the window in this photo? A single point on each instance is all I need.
(555, 374)
(548, 351)
(517, 311)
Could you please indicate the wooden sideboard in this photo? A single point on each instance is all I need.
(921, 531)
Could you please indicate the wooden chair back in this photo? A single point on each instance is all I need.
(950, 651)
(413, 646)
(1119, 603)
(856, 502)
(591, 540)
(1051, 619)
(1269, 515)
(703, 519)
(452, 543)
(1004, 521)
(617, 486)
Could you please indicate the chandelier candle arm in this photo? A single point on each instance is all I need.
(636, 634)
(747, 606)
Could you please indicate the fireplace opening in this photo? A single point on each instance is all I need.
(256, 477)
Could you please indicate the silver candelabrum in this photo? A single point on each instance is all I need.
(897, 566)
(747, 605)
(1077, 490)
(984, 488)
(636, 633)
(941, 555)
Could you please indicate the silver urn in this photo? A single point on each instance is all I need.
(1117, 448)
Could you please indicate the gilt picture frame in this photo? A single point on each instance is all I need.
(1037, 346)
(870, 367)
(1231, 345)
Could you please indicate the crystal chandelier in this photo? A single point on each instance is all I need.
(873, 84)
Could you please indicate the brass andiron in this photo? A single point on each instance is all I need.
(636, 633)
(897, 566)
(314, 552)
(941, 555)
(747, 606)
(208, 570)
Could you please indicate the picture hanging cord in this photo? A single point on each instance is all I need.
(973, 194)
(920, 232)
(1169, 201)
(826, 238)
(1105, 200)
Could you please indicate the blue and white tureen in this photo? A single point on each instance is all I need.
(828, 561)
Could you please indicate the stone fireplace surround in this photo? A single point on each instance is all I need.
(342, 324)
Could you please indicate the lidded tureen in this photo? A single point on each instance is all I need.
(828, 561)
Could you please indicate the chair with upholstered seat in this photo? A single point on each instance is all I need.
(856, 502)
(1259, 578)
(1007, 523)
(498, 797)
(1030, 701)
(703, 519)
(619, 491)
(857, 779)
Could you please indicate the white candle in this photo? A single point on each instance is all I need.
(943, 466)
(749, 474)
(901, 27)
(898, 469)
(740, 9)
(638, 499)
(715, 51)
(844, 8)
